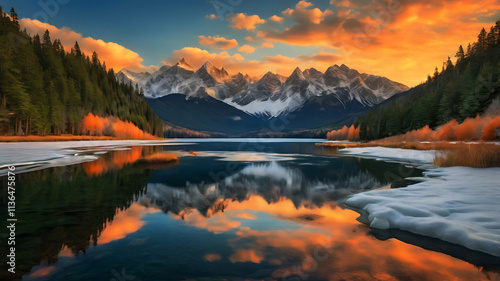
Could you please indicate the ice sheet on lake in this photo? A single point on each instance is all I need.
(29, 156)
(392, 154)
(459, 205)
(248, 156)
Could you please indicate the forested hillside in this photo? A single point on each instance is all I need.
(458, 91)
(46, 90)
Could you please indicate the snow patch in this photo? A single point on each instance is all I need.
(392, 154)
(460, 207)
(266, 107)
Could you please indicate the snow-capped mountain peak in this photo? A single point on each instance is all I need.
(312, 73)
(296, 75)
(183, 64)
(218, 74)
(272, 94)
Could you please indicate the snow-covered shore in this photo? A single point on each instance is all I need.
(457, 204)
(29, 156)
(397, 155)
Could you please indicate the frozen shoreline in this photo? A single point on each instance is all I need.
(457, 204)
(397, 155)
(30, 156)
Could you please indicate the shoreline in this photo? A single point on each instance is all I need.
(424, 145)
(61, 138)
(445, 205)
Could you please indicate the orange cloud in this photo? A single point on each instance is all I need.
(218, 42)
(216, 224)
(243, 21)
(249, 39)
(303, 14)
(246, 255)
(276, 18)
(212, 17)
(246, 49)
(285, 65)
(236, 63)
(267, 45)
(42, 272)
(212, 257)
(115, 55)
(246, 216)
(197, 57)
(124, 222)
(232, 63)
(332, 245)
(281, 60)
(409, 37)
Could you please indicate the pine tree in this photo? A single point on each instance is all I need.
(469, 51)
(481, 40)
(460, 54)
(15, 18)
(47, 43)
(449, 65)
(490, 38)
(95, 59)
(78, 51)
(497, 33)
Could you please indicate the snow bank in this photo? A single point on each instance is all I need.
(458, 205)
(392, 154)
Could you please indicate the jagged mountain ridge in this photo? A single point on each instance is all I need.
(272, 95)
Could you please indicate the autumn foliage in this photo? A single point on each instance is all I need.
(491, 131)
(93, 125)
(110, 126)
(484, 128)
(346, 133)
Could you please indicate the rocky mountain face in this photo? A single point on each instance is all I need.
(339, 88)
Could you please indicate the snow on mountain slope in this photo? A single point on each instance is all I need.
(267, 107)
(273, 94)
(127, 76)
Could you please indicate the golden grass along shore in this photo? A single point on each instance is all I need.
(476, 155)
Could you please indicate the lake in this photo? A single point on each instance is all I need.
(229, 210)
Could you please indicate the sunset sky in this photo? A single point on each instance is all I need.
(402, 40)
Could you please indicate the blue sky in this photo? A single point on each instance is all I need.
(153, 28)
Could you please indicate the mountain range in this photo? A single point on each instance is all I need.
(214, 101)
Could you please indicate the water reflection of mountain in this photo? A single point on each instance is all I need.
(272, 181)
(68, 208)
(251, 221)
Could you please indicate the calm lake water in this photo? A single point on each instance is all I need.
(229, 211)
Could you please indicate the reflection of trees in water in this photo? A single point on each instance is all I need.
(392, 173)
(65, 208)
(117, 159)
(271, 181)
